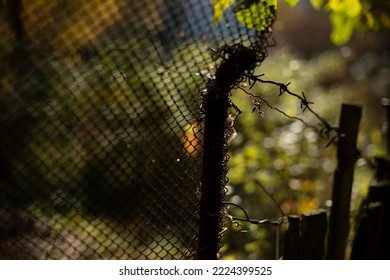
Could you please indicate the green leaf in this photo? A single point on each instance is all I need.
(342, 28)
(351, 8)
(318, 4)
(257, 15)
(219, 8)
(291, 3)
(369, 20)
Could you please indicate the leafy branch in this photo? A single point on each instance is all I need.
(345, 16)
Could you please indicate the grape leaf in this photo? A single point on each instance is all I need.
(318, 4)
(351, 8)
(219, 8)
(291, 3)
(258, 15)
(342, 28)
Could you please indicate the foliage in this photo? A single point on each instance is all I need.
(350, 15)
(280, 156)
(252, 14)
(104, 139)
(345, 16)
(91, 101)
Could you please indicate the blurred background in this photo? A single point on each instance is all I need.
(101, 126)
(290, 160)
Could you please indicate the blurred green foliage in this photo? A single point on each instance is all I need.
(75, 117)
(348, 16)
(97, 143)
(345, 16)
(288, 159)
(257, 15)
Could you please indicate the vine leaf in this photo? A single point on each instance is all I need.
(219, 8)
(256, 14)
(318, 4)
(253, 14)
(291, 3)
(342, 28)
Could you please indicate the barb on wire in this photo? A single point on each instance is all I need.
(325, 129)
(258, 97)
(305, 104)
(284, 88)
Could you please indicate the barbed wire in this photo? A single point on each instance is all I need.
(274, 222)
(324, 129)
(247, 218)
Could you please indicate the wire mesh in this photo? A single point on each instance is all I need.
(102, 126)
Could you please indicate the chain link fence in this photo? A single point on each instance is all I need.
(102, 126)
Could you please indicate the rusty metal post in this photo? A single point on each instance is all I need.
(216, 108)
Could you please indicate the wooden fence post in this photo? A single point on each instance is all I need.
(386, 105)
(293, 239)
(372, 235)
(343, 179)
(314, 227)
(305, 237)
